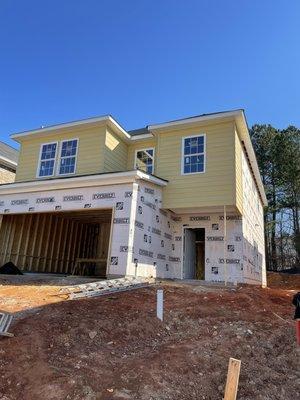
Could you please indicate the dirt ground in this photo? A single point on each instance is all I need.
(113, 347)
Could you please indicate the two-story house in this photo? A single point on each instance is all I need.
(8, 163)
(182, 199)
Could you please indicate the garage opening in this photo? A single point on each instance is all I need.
(74, 242)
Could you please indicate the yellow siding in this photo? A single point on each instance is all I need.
(238, 173)
(101, 150)
(90, 158)
(216, 186)
(115, 153)
(138, 145)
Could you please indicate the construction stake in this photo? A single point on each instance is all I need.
(160, 304)
(232, 382)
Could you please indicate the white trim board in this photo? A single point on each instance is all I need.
(80, 181)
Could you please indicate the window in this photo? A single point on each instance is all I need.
(193, 149)
(68, 153)
(144, 160)
(47, 159)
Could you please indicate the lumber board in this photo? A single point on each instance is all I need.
(232, 382)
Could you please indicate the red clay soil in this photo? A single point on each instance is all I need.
(282, 280)
(113, 347)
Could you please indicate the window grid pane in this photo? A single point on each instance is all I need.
(193, 156)
(46, 168)
(48, 151)
(48, 154)
(68, 157)
(145, 160)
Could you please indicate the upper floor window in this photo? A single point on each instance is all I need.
(47, 159)
(144, 160)
(193, 154)
(68, 153)
(64, 164)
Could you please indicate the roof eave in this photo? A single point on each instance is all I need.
(7, 162)
(90, 121)
(194, 120)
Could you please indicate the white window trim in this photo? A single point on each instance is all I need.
(59, 157)
(40, 160)
(145, 149)
(204, 153)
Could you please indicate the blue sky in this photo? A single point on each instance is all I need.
(147, 61)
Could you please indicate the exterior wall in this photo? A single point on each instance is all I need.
(115, 153)
(147, 240)
(151, 235)
(238, 173)
(90, 157)
(138, 145)
(216, 186)
(223, 252)
(6, 176)
(253, 230)
(99, 150)
(158, 243)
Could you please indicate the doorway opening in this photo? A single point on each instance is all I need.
(194, 253)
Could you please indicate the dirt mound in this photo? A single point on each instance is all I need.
(114, 347)
(283, 280)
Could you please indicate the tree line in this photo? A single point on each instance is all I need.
(278, 156)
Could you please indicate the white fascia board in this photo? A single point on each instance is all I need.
(151, 178)
(107, 118)
(80, 181)
(8, 162)
(141, 137)
(118, 127)
(203, 118)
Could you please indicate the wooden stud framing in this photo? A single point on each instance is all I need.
(36, 227)
(58, 243)
(51, 242)
(24, 261)
(47, 241)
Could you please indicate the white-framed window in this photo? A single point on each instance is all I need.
(46, 166)
(144, 160)
(193, 154)
(68, 157)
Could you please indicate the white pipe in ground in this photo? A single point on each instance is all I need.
(160, 304)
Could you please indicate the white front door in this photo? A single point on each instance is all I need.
(189, 265)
